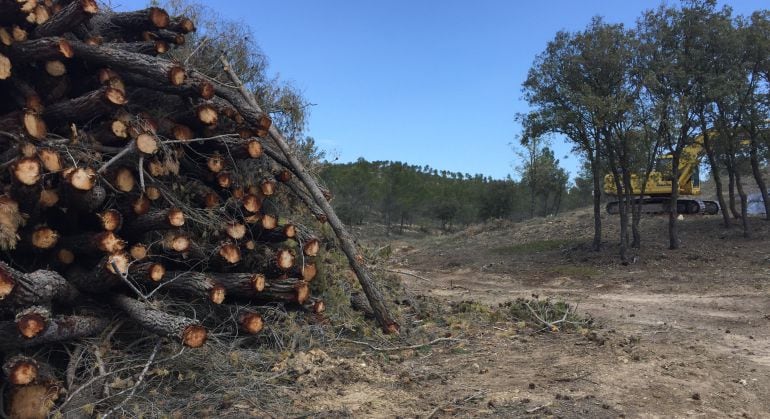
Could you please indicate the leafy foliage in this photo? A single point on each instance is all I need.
(398, 194)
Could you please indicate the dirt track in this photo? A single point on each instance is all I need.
(679, 334)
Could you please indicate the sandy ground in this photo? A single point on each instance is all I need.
(681, 333)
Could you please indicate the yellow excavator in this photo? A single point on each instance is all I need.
(658, 188)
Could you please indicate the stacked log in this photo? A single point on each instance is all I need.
(125, 173)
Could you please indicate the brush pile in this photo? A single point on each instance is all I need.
(125, 178)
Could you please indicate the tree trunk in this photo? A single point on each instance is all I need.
(733, 209)
(757, 172)
(717, 179)
(67, 19)
(188, 331)
(744, 205)
(673, 214)
(59, 329)
(596, 245)
(41, 287)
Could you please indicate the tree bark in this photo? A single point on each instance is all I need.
(85, 108)
(158, 69)
(59, 329)
(67, 19)
(41, 287)
(757, 172)
(673, 214)
(188, 331)
(726, 222)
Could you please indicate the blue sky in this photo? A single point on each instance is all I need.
(425, 82)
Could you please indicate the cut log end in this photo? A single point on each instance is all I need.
(207, 114)
(159, 17)
(138, 251)
(290, 231)
(269, 222)
(5, 67)
(230, 253)
(32, 322)
(312, 247)
(49, 198)
(178, 243)
(206, 90)
(258, 282)
(302, 293)
(176, 75)
(235, 231)
(7, 284)
(319, 307)
(119, 128)
(82, 179)
(254, 149)
(215, 163)
(252, 203)
(55, 68)
(51, 159)
(21, 371)
(34, 125)
(89, 6)
(217, 294)
(194, 336)
(251, 323)
(284, 259)
(267, 187)
(27, 171)
(108, 242)
(147, 143)
(125, 181)
(120, 261)
(65, 256)
(32, 401)
(156, 272)
(309, 272)
(182, 133)
(176, 217)
(111, 220)
(115, 96)
(65, 48)
(153, 193)
(141, 205)
(184, 25)
(44, 238)
(224, 180)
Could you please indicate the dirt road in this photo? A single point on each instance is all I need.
(686, 333)
(681, 333)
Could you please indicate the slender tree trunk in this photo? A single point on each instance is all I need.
(717, 180)
(623, 202)
(744, 204)
(755, 169)
(595, 169)
(673, 230)
(731, 193)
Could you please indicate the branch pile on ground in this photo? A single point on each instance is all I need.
(126, 177)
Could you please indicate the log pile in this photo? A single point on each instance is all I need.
(126, 177)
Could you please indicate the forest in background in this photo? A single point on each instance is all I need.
(398, 194)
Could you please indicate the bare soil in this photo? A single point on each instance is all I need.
(677, 333)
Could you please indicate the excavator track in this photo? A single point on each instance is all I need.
(660, 205)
